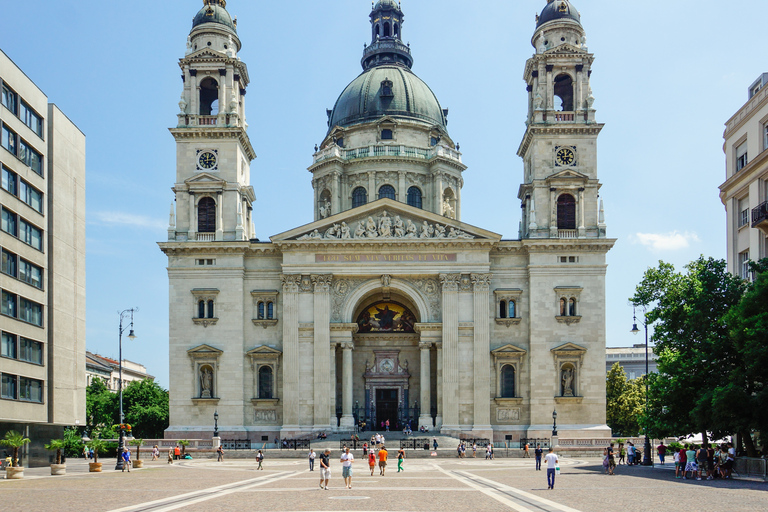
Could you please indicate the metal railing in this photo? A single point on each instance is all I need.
(236, 444)
(759, 214)
(295, 444)
(532, 442)
(750, 467)
(417, 443)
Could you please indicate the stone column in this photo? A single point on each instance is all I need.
(450, 284)
(332, 375)
(550, 88)
(347, 419)
(335, 195)
(425, 418)
(439, 416)
(322, 348)
(578, 101)
(290, 354)
(341, 336)
(552, 213)
(372, 185)
(192, 227)
(220, 218)
(482, 356)
(222, 96)
(582, 209)
(402, 195)
(438, 193)
(194, 93)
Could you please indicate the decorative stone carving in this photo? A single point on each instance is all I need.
(340, 290)
(265, 416)
(567, 380)
(465, 285)
(431, 290)
(305, 284)
(206, 382)
(325, 210)
(508, 414)
(182, 106)
(481, 282)
(386, 280)
(385, 226)
(291, 283)
(450, 282)
(322, 283)
(448, 210)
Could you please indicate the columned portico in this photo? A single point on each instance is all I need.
(291, 353)
(482, 356)
(347, 419)
(341, 336)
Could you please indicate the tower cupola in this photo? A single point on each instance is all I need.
(386, 46)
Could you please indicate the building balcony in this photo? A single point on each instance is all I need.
(567, 234)
(760, 217)
(224, 120)
(206, 237)
(386, 151)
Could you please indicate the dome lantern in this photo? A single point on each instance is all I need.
(386, 46)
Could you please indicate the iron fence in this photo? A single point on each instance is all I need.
(295, 444)
(416, 443)
(236, 444)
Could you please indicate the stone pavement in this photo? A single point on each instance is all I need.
(426, 485)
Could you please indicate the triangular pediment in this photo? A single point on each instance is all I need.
(568, 174)
(263, 351)
(385, 220)
(508, 351)
(564, 49)
(569, 348)
(204, 349)
(204, 178)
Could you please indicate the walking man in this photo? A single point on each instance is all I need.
(312, 459)
(220, 454)
(538, 452)
(383, 460)
(552, 461)
(127, 460)
(400, 457)
(325, 468)
(346, 467)
(260, 459)
(527, 454)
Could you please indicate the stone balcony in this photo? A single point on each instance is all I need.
(760, 217)
(223, 120)
(386, 151)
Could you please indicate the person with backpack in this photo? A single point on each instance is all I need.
(260, 459)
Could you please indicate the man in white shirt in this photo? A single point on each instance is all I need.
(552, 460)
(346, 471)
(382, 439)
(378, 440)
(312, 457)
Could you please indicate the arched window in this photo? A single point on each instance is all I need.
(566, 212)
(201, 309)
(512, 309)
(503, 309)
(206, 215)
(261, 311)
(359, 197)
(564, 91)
(209, 97)
(386, 134)
(210, 309)
(563, 307)
(508, 381)
(378, 30)
(387, 30)
(270, 310)
(397, 29)
(414, 197)
(265, 383)
(387, 192)
(572, 307)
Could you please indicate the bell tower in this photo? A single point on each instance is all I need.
(560, 190)
(214, 199)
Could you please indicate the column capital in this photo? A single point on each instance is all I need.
(481, 282)
(291, 282)
(322, 282)
(425, 345)
(450, 282)
(347, 346)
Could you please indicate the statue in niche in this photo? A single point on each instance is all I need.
(538, 102)
(325, 210)
(189, 46)
(410, 230)
(206, 382)
(448, 210)
(567, 380)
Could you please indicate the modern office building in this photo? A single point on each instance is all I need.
(745, 191)
(42, 282)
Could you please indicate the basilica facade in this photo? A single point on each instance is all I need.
(386, 306)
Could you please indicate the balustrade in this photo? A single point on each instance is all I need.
(567, 234)
(383, 151)
(206, 237)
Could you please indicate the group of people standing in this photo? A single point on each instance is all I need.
(372, 454)
(705, 459)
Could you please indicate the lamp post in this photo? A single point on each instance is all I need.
(131, 336)
(554, 424)
(647, 461)
(216, 423)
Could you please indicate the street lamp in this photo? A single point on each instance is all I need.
(131, 336)
(216, 423)
(554, 424)
(647, 461)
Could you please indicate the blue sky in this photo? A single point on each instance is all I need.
(667, 77)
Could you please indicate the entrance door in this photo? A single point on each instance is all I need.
(386, 407)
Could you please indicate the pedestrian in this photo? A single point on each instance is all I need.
(676, 456)
(630, 454)
(611, 460)
(312, 456)
(622, 453)
(683, 461)
(474, 450)
(378, 439)
(386, 424)
(85, 452)
(487, 452)
(527, 454)
(434, 443)
(382, 438)
(552, 461)
(90, 453)
(176, 452)
(365, 449)
(346, 467)
(220, 454)
(170, 456)
(490, 448)
(371, 461)
(260, 460)
(458, 450)
(400, 458)
(701, 459)
(383, 460)
(690, 465)
(730, 461)
(325, 468)
(538, 453)
(662, 451)
(155, 453)
(126, 459)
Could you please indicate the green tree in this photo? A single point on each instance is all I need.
(56, 445)
(145, 406)
(625, 402)
(73, 443)
(101, 407)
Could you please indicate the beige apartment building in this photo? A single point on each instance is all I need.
(42, 278)
(745, 191)
(107, 369)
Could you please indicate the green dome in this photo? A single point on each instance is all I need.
(214, 13)
(386, 3)
(365, 100)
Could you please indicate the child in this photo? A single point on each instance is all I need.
(676, 452)
(372, 460)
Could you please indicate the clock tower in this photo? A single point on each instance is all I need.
(213, 152)
(560, 190)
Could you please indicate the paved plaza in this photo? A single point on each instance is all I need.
(426, 485)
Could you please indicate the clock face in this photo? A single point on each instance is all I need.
(207, 160)
(565, 156)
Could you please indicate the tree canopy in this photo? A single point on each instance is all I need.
(145, 408)
(625, 402)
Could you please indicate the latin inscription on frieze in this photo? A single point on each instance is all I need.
(386, 258)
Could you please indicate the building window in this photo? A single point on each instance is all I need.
(387, 192)
(206, 215)
(572, 307)
(414, 197)
(30, 351)
(31, 312)
(30, 390)
(10, 181)
(8, 304)
(765, 137)
(8, 387)
(8, 345)
(359, 197)
(744, 270)
(9, 140)
(201, 309)
(270, 310)
(9, 222)
(564, 91)
(210, 309)
(566, 212)
(31, 196)
(266, 388)
(10, 100)
(205, 262)
(503, 309)
(261, 312)
(31, 274)
(508, 381)
(31, 235)
(512, 309)
(31, 119)
(209, 97)
(10, 264)
(386, 134)
(741, 156)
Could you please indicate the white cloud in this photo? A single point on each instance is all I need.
(126, 219)
(673, 241)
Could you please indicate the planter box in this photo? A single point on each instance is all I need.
(14, 473)
(94, 467)
(58, 469)
(137, 464)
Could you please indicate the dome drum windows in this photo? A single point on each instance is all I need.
(359, 197)
(568, 307)
(387, 127)
(415, 197)
(205, 306)
(264, 307)
(508, 306)
(387, 192)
